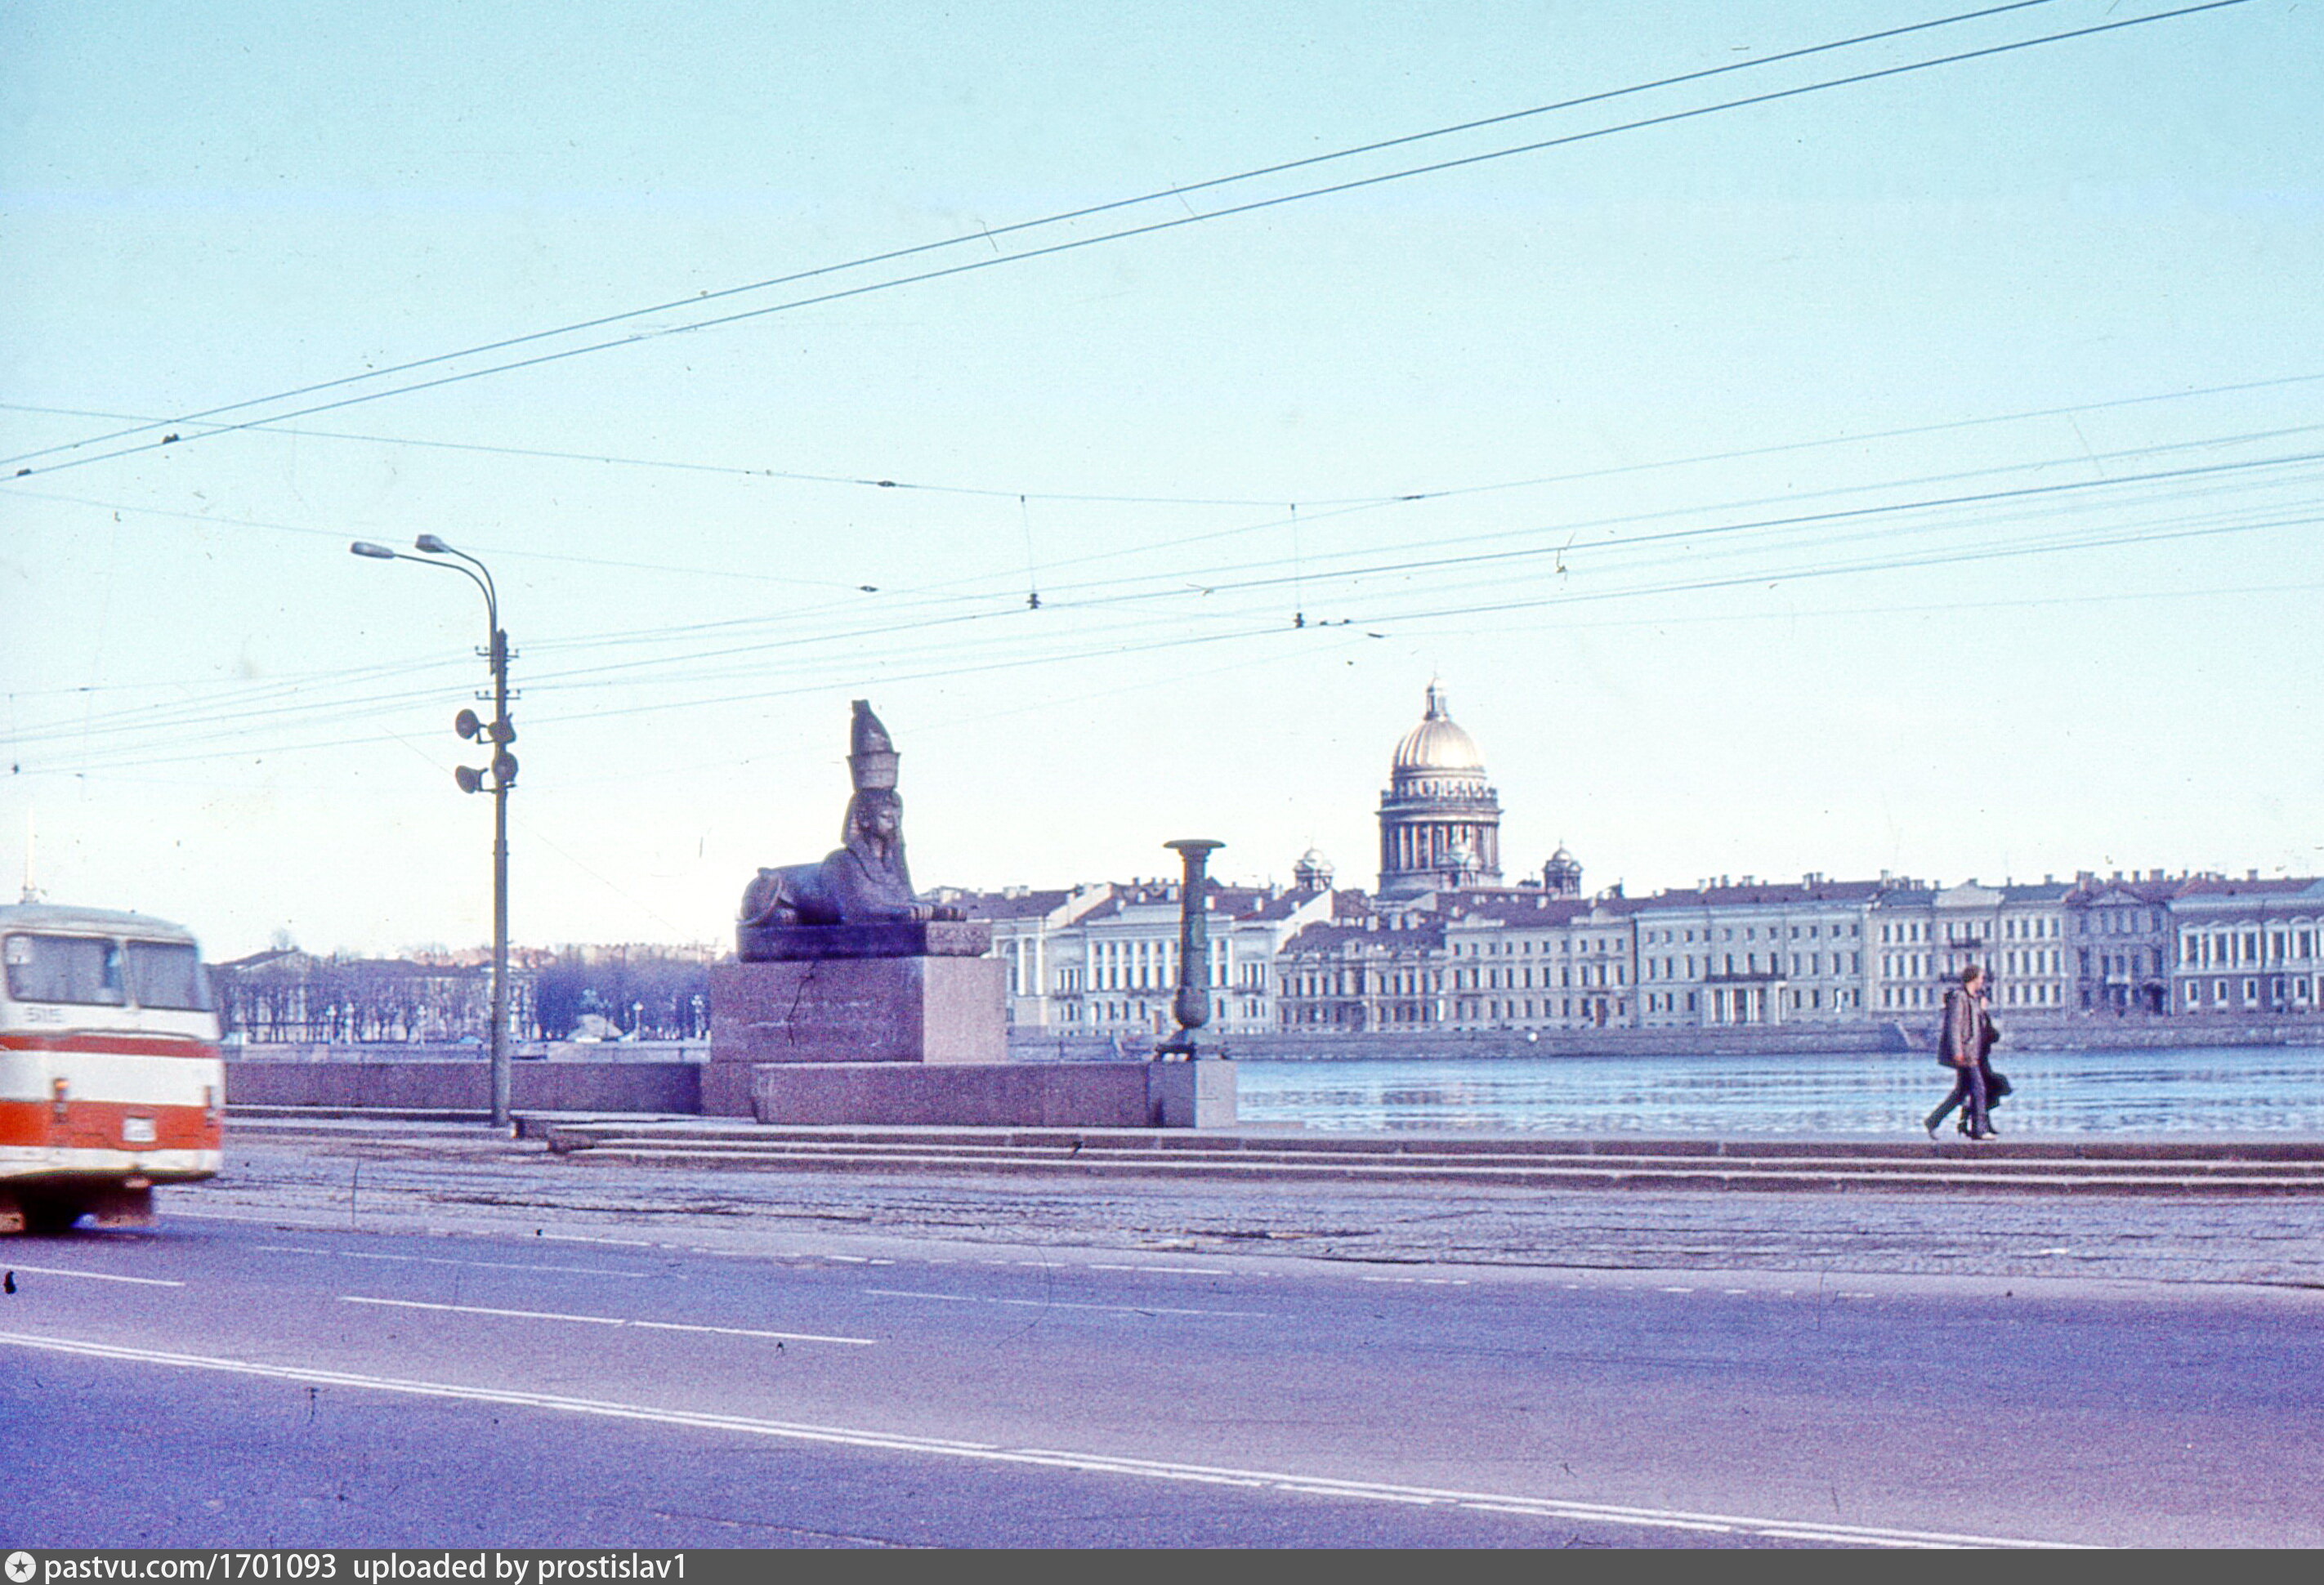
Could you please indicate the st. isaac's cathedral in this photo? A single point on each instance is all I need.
(1441, 822)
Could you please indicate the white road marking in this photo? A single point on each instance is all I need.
(144, 1282)
(445, 1260)
(1061, 1304)
(1168, 1270)
(790, 1337)
(336, 1225)
(589, 1239)
(1089, 1463)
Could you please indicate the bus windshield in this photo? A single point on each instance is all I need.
(79, 969)
(167, 974)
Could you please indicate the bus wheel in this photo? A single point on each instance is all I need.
(48, 1218)
(119, 1207)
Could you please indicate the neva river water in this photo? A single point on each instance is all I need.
(2239, 1091)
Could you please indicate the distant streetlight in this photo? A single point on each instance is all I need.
(499, 733)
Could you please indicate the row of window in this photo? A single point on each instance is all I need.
(1836, 929)
(2281, 989)
(1137, 966)
(1808, 964)
(2229, 949)
(1524, 946)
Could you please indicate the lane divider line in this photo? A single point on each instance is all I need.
(1044, 1458)
(143, 1282)
(1063, 1304)
(788, 1337)
(446, 1260)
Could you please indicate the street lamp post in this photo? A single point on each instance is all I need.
(500, 732)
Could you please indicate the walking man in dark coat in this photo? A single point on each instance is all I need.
(1961, 1044)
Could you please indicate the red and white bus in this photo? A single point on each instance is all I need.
(110, 1078)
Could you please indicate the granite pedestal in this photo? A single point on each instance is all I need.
(918, 993)
(902, 1023)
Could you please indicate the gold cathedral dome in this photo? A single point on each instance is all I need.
(1438, 744)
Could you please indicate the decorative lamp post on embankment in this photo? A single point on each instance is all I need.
(1191, 1006)
(500, 732)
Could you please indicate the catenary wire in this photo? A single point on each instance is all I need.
(1376, 618)
(1156, 227)
(987, 234)
(148, 718)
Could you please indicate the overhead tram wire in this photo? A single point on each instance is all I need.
(986, 233)
(1389, 497)
(1852, 569)
(1172, 586)
(1170, 581)
(117, 772)
(679, 465)
(1343, 505)
(1295, 562)
(1350, 504)
(1982, 498)
(917, 597)
(1262, 626)
(1173, 583)
(1150, 228)
(657, 669)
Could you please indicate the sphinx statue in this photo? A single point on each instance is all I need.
(864, 881)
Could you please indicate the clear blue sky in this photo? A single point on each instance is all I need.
(1635, 381)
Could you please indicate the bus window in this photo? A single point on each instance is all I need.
(167, 974)
(64, 968)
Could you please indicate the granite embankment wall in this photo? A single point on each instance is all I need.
(393, 1077)
(667, 1078)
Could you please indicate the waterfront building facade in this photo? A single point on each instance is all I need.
(1364, 972)
(1028, 928)
(2249, 947)
(1102, 961)
(1529, 961)
(1756, 952)
(2119, 945)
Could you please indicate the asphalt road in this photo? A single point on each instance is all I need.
(241, 1379)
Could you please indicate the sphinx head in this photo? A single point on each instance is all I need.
(875, 818)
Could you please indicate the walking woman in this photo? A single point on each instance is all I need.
(1961, 1044)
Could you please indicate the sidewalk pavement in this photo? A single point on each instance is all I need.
(387, 1176)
